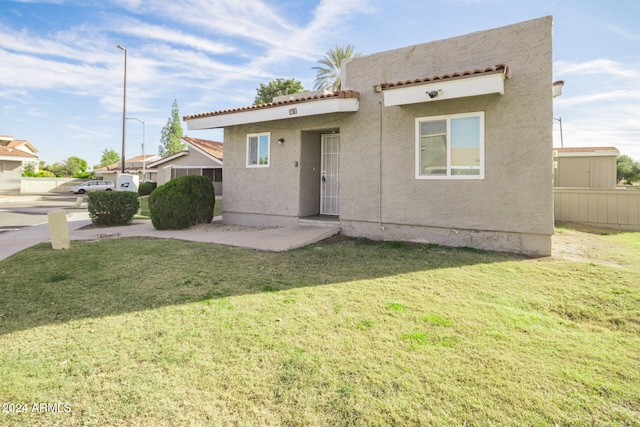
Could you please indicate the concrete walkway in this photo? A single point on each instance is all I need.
(274, 239)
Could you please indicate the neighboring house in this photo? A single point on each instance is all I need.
(202, 157)
(428, 143)
(13, 155)
(586, 167)
(138, 165)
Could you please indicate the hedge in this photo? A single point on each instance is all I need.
(147, 188)
(112, 207)
(182, 202)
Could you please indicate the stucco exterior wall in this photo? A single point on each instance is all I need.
(193, 160)
(511, 209)
(10, 176)
(516, 194)
(49, 185)
(273, 195)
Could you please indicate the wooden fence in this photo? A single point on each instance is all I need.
(600, 207)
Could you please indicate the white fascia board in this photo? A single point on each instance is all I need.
(18, 159)
(447, 89)
(166, 159)
(600, 153)
(193, 167)
(302, 109)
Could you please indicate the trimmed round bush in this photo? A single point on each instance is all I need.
(112, 207)
(146, 188)
(182, 202)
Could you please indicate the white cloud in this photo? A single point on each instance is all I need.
(600, 66)
(155, 32)
(609, 97)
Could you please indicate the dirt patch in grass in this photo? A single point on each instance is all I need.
(573, 245)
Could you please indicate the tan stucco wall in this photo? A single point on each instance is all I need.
(510, 209)
(10, 176)
(193, 159)
(49, 185)
(516, 194)
(274, 195)
(586, 172)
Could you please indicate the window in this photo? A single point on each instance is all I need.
(450, 147)
(258, 150)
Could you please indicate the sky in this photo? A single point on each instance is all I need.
(61, 73)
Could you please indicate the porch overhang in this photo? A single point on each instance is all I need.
(449, 86)
(336, 102)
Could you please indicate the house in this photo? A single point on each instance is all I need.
(14, 154)
(202, 157)
(586, 167)
(446, 142)
(138, 165)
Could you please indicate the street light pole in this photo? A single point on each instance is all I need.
(561, 138)
(124, 105)
(144, 140)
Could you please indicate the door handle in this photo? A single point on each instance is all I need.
(324, 179)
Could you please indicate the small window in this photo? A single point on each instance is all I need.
(450, 147)
(258, 149)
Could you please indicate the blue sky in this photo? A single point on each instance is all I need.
(62, 75)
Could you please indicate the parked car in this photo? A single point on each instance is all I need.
(95, 185)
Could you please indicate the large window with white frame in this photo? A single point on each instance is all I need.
(258, 150)
(450, 147)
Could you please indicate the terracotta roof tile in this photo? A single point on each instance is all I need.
(17, 143)
(337, 94)
(213, 148)
(14, 152)
(499, 68)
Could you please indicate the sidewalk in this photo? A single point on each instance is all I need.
(274, 239)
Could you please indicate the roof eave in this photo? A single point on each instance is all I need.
(280, 112)
(440, 90)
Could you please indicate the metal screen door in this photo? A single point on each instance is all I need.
(329, 180)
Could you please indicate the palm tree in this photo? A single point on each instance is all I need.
(329, 75)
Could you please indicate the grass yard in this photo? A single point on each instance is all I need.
(344, 332)
(145, 213)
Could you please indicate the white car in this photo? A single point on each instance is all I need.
(95, 185)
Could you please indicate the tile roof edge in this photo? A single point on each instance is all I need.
(477, 72)
(341, 94)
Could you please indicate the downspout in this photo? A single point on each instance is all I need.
(380, 226)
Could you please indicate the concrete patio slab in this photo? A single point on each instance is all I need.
(273, 239)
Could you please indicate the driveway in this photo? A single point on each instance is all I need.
(27, 210)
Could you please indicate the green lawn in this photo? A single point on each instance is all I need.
(144, 207)
(344, 332)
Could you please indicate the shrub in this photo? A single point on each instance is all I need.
(146, 188)
(112, 207)
(182, 202)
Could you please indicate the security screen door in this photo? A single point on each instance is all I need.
(329, 179)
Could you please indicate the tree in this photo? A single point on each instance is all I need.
(329, 74)
(277, 87)
(628, 170)
(109, 157)
(72, 167)
(75, 166)
(171, 139)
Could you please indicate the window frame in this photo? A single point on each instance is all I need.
(248, 147)
(447, 118)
